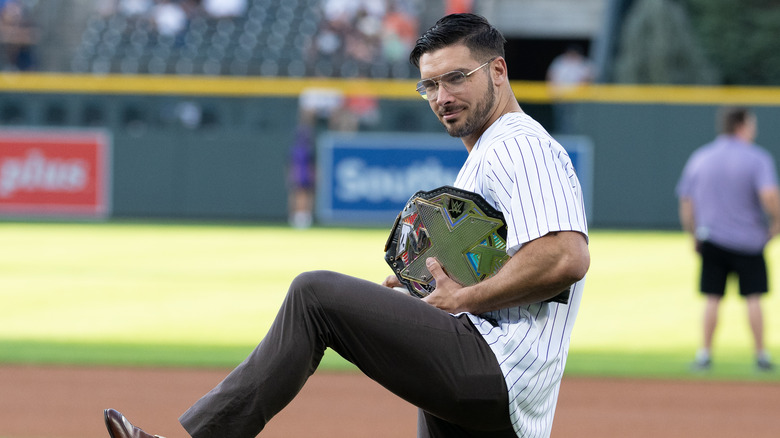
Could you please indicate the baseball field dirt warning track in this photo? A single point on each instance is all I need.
(61, 402)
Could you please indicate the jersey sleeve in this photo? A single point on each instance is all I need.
(537, 189)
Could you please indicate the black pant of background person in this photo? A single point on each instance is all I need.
(422, 354)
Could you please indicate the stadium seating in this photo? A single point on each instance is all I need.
(273, 38)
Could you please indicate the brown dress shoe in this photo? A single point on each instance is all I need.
(119, 427)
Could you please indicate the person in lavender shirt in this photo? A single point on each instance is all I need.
(730, 203)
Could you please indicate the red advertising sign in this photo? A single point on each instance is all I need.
(56, 173)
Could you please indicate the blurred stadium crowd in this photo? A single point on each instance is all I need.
(333, 38)
(628, 41)
(247, 37)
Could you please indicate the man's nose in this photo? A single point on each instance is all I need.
(443, 95)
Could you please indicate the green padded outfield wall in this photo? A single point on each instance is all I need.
(232, 165)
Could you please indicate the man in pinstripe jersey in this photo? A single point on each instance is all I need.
(478, 361)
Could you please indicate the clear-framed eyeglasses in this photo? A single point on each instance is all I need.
(453, 81)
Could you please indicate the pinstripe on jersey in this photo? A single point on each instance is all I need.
(520, 170)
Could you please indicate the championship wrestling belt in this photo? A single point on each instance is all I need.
(457, 227)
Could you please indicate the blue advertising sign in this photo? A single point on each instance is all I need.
(580, 150)
(366, 178)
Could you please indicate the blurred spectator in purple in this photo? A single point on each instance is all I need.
(18, 37)
(301, 170)
(319, 108)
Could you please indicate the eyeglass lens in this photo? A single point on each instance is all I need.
(430, 88)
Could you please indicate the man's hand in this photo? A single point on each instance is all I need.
(392, 282)
(445, 296)
(541, 269)
(395, 284)
(770, 201)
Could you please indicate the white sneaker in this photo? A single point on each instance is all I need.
(702, 362)
(764, 362)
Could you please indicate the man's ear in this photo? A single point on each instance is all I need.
(498, 71)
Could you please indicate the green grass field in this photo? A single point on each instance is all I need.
(204, 295)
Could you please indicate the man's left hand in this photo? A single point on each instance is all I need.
(445, 296)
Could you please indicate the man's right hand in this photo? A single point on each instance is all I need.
(392, 282)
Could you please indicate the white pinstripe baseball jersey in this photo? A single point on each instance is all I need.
(520, 170)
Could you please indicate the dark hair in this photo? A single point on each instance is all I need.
(473, 31)
(731, 118)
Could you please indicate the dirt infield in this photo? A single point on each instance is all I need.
(60, 402)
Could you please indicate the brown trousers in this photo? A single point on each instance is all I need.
(437, 362)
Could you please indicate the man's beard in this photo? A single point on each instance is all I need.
(477, 118)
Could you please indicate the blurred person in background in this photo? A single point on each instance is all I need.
(18, 37)
(135, 8)
(727, 191)
(224, 8)
(458, 6)
(349, 37)
(399, 31)
(567, 72)
(316, 106)
(301, 171)
(169, 18)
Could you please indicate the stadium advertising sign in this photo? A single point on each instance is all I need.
(54, 173)
(367, 178)
(580, 150)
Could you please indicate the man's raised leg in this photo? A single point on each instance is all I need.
(422, 354)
